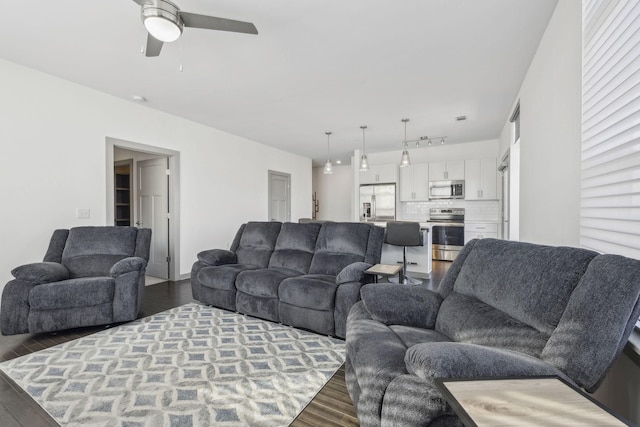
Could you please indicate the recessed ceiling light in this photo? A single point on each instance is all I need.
(139, 98)
(338, 162)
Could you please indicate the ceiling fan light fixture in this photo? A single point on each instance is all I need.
(162, 20)
(162, 29)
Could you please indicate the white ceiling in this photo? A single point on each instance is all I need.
(315, 66)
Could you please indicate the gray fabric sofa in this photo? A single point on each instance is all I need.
(306, 275)
(503, 309)
(90, 276)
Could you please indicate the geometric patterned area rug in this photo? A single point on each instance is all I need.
(190, 366)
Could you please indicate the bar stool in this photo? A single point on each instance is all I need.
(404, 233)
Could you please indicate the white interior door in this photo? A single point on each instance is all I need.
(279, 196)
(153, 212)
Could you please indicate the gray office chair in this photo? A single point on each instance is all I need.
(404, 233)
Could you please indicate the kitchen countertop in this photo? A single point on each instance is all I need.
(383, 224)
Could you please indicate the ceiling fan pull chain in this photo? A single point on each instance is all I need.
(180, 68)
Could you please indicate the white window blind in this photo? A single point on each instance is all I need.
(610, 196)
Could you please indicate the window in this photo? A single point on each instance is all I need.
(515, 119)
(610, 194)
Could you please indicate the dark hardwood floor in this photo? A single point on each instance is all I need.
(331, 406)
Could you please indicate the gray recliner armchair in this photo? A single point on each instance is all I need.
(503, 309)
(89, 276)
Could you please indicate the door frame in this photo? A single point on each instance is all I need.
(272, 173)
(174, 194)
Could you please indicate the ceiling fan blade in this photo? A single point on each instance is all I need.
(154, 46)
(214, 23)
(141, 2)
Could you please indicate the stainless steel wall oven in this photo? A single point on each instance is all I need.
(447, 232)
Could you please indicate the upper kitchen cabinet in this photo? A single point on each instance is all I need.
(379, 174)
(414, 183)
(450, 171)
(481, 179)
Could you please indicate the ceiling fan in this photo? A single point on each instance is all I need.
(165, 21)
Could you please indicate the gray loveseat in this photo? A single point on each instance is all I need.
(90, 276)
(503, 309)
(306, 275)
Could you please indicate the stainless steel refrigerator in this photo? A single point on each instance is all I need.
(378, 202)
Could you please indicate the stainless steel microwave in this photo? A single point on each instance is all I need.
(446, 189)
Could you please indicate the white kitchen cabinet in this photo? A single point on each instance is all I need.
(449, 171)
(481, 179)
(480, 230)
(414, 183)
(379, 174)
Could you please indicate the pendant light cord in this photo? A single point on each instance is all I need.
(328, 150)
(404, 143)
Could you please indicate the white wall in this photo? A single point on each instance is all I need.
(53, 136)
(550, 133)
(550, 143)
(334, 193)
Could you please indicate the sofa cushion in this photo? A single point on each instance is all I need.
(466, 319)
(339, 244)
(605, 323)
(257, 243)
(460, 360)
(72, 293)
(295, 246)
(531, 283)
(217, 257)
(263, 282)
(41, 272)
(411, 336)
(401, 305)
(315, 291)
(222, 276)
(92, 251)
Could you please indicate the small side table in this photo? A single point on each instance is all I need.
(386, 270)
(526, 401)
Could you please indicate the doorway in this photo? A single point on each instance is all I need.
(155, 201)
(279, 196)
(504, 168)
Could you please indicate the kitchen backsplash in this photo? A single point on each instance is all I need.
(480, 210)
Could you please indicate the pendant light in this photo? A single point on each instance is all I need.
(405, 160)
(364, 162)
(328, 167)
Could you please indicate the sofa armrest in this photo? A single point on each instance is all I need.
(462, 360)
(217, 257)
(353, 272)
(41, 272)
(127, 265)
(393, 304)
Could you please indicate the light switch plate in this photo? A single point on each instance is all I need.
(83, 213)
